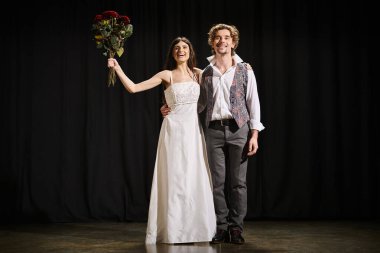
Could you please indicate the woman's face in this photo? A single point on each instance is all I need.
(181, 52)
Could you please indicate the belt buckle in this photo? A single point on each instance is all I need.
(221, 123)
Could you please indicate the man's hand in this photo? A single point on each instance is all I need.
(253, 144)
(165, 109)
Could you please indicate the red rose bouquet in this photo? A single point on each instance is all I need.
(110, 32)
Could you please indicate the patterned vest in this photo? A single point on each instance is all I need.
(238, 92)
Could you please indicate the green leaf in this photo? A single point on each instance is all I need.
(130, 29)
(120, 51)
(114, 40)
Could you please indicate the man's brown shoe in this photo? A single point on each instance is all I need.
(236, 236)
(221, 236)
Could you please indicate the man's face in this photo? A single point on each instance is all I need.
(223, 43)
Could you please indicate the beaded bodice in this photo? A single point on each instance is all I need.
(182, 93)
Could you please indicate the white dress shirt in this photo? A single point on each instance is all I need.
(221, 94)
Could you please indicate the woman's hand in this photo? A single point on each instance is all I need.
(112, 63)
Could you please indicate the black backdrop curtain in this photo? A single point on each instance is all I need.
(73, 149)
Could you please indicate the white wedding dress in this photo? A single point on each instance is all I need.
(181, 206)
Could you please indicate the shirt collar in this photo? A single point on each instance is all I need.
(236, 58)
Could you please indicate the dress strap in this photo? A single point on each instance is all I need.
(195, 78)
(171, 78)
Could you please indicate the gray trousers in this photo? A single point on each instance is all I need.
(227, 155)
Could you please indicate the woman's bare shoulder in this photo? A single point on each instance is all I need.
(197, 71)
(164, 75)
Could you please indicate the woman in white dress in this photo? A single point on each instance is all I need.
(181, 206)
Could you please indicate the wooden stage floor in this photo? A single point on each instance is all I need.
(260, 236)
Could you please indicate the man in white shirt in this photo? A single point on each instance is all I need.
(230, 114)
(231, 119)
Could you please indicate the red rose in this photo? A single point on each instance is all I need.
(98, 18)
(125, 20)
(110, 14)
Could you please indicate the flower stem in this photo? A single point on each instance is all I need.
(111, 73)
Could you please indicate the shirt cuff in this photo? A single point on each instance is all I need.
(254, 124)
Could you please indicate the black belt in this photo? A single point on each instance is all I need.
(222, 123)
